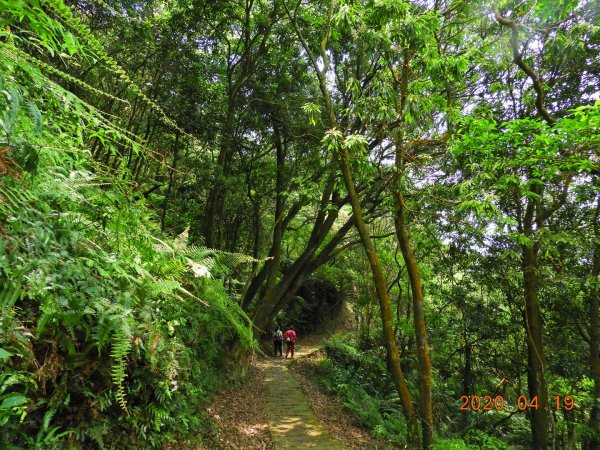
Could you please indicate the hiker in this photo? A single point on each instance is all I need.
(278, 342)
(290, 341)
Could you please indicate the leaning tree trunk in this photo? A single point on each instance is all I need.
(423, 360)
(376, 269)
(384, 301)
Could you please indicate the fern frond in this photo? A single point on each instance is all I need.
(121, 346)
(66, 15)
(9, 293)
(12, 198)
(229, 309)
(36, 116)
(189, 294)
(53, 70)
(158, 287)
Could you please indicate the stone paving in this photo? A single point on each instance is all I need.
(292, 422)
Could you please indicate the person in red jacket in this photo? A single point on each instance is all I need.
(290, 340)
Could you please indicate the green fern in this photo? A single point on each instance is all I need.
(121, 345)
(13, 100)
(100, 281)
(53, 70)
(96, 48)
(161, 287)
(158, 415)
(9, 293)
(36, 116)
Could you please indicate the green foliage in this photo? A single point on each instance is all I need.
(479, 439)
(361, 382)
(474, 440)
(451, 444)
(94, 297)
(109, 332)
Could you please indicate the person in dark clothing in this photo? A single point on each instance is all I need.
(278, 342)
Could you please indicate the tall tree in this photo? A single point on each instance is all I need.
(339, 144)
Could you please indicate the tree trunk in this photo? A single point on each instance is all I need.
(398, 309)
(279, 210)
(384, 301)
(595, 334)
(273, 294)
(412, 267)
(215, 203)
(254, 48)
(171, 183)
(535, 349)
(424, 363)
(376, 269)
(467, 388)
(277, 298)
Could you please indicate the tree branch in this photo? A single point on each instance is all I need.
(537, 81)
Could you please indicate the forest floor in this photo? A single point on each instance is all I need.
(282, 407)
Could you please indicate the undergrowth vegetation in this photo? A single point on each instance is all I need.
(361, 381)
(359, 378)
(102, 322)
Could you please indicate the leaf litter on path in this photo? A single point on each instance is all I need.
(239, 415)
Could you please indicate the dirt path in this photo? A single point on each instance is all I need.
(292, 422)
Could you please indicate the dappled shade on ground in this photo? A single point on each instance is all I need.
(292, 421)
(239, 415)
(328, 408)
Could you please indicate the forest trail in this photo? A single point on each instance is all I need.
(292, 422)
